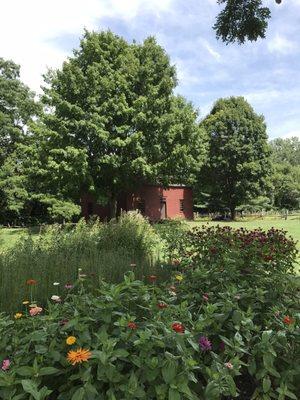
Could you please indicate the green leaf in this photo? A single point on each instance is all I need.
(169, 371)
(25, 371)
(231, 385)
(79, 394)
(174, 394)
(266, 384)
(31, 388)
(48, 371)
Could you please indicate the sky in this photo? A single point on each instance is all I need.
(41, 34)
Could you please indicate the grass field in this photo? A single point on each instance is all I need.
(8, 237)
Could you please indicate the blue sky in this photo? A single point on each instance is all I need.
(265, 72)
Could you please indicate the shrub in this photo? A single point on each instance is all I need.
(107, 250)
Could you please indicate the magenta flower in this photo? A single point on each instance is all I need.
(5, 364)
(69, 286)
(205, 344)
(205, 297)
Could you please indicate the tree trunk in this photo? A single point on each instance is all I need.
(233, 213)
(113, 207)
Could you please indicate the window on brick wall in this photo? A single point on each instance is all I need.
(181, 205)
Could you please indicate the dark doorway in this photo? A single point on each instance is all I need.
(163, 208)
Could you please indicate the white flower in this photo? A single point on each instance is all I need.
(56, 283)
(55, 298)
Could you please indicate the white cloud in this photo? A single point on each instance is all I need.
(291, 134)
(212, 52)
(280, 44)
(28, 28)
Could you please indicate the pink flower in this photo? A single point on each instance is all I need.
(35, 311)
(205, 297)
(204, 343)
(5, 364)
(69, 286)
(228, 365)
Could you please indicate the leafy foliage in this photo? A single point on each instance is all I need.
(217, 332)
(238, 157)
(112, 105)
(242, 20)
(17, 107)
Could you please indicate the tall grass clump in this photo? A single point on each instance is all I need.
(102, 251)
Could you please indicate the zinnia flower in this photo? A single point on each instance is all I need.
(178, 327)
(288, 320)
(71, 340)
(56, 283)
(35, 311)
(162, 305)
(5, 364)
(56, 298)
(179, 277)
(228, 365)
(18, 315)
(25, 302)
(205, 297)
(78, 356)
(132, 325)
(69, 286)
(63, 322)
(204, 343)
(31, 282)
(152, 278)
(175, 262)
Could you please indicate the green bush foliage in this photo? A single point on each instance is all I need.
(217, 329)
(107, 250)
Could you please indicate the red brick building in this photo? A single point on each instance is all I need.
(153, 201)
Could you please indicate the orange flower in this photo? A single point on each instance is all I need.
(288, 320)
(31, 282)
(78, 356)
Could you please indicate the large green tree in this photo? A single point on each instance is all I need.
(17, 108)
(286, 151)
(238, 156)
(113, 105)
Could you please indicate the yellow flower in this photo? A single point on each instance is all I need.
(179, 278)
(25, 302)
(70, 340)
(78, 356)
(18, 315)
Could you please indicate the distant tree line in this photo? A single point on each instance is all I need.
(109, 121)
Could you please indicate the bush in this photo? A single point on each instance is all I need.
(107, 250)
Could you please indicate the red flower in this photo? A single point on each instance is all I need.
(177, 327)
(152, 278)
(31, 282)
(132, 325)
(162, 305)
(288, 320)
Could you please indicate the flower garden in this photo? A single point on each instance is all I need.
(216, 319)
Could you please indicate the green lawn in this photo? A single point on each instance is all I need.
(9, 236)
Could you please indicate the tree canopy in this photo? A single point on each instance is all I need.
(242, 20)
(238, 156)
(17, 108)
(112, 106)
